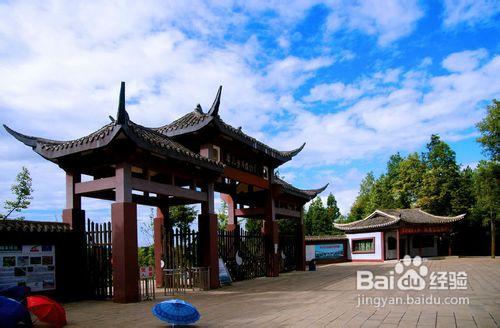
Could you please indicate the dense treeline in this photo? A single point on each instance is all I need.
(435, 182)
(318, 219)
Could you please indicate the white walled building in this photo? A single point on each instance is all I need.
(392, 234)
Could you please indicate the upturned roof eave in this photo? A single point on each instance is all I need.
(53, 150)
(306, 194)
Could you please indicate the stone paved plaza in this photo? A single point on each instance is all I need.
(325, 298)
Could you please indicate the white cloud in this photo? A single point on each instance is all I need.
(389, 21)
(464, 61)
(292, 72)
(400, 118)
(469, 12)
(340, 91)
(61, 64)
(333, 91)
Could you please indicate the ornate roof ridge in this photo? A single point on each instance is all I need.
(160, 139)
(197, 119)
(146, 137)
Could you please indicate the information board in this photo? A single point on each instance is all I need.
(329, 251)
(224, 276)
(146, 272)
(28, 265)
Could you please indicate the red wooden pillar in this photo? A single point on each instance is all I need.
(73, 213)
(232, 220)
(124, 243)
(271, 234)
(207, 228)
(124, 240)
(397, 244)
(160, 223)
(75, 217)
(383, 245)
(301, 243)
(449, 245)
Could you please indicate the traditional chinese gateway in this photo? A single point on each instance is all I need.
(183, 162)
(394, 233)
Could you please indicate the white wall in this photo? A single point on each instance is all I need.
(365, 257)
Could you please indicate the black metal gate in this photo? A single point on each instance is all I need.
(287, 253)
(98, 239)
(243, 253)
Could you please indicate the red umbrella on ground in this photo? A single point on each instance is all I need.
(47, 310)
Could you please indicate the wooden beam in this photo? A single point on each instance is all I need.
(249, 212)
(245, 177)
(286, 212)
(167, 190)
(82, 188)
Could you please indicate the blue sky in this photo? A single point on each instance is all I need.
(356, 80)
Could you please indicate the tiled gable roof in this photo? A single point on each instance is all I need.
(385, 218)
(33, 226)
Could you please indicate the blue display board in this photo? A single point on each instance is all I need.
(224, 276)
(329, 251)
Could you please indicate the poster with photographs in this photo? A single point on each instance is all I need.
(28, 265)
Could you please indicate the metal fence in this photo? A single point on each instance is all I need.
(180, 280)
(243, 253)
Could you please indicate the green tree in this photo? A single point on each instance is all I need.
(333, 213)
(384, 194)
(222, 216)
(182, 216)
(332, 209)
(381, 195)
(464, 197)
(146, 256)
(490, 131)
(287, 226)
(253, 225)
(361, 205)
(441, 178)
(410, 174)
(22, 191)
(488, 195)
(316, 219)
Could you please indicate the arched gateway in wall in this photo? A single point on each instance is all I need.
(183, 162)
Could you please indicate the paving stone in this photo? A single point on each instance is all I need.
(325, 298)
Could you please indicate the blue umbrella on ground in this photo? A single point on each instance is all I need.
(177, 312)
(12, 312)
